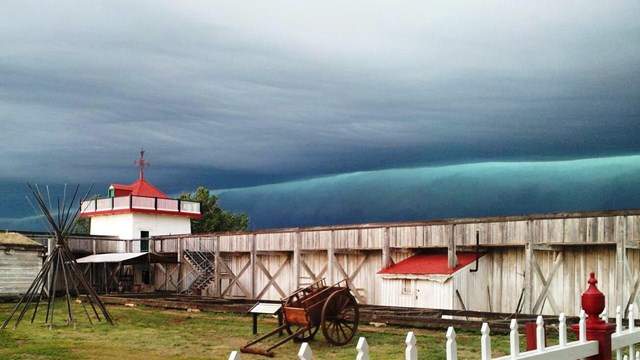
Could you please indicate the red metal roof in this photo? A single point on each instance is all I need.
(429, 264)
(139, 188)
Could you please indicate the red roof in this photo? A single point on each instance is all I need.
(139, 188)
(429, 264)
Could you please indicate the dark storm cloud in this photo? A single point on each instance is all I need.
(467, 190)
(257, 92)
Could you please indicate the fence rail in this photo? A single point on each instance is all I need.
(581, 348)
(625, 338)
(564, 350)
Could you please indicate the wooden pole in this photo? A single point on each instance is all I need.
(254, 268)
(51, 243)
(620, 236)
(104, 273)
(330, 260)
(179, 250)
(180, 265)
(386, 249)
(528, 273)
(217, 265)
(296, 259)
(451, 250)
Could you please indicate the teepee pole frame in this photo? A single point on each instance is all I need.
(59, 262)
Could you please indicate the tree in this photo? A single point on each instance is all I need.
(83, 226)
(214, 218)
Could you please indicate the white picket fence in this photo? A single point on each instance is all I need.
(625, 338)
(578, 349)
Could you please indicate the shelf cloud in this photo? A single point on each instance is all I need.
(240, 94)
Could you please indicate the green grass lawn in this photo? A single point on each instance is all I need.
(152, 333)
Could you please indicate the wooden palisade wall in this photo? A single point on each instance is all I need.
(539, 262)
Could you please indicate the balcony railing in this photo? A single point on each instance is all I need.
(139, 203)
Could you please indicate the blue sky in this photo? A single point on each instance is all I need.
(245, 93)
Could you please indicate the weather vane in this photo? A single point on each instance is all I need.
(142, 163)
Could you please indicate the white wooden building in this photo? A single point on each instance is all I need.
(20, 262)
(139, 211)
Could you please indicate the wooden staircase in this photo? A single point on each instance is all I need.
(204, 265)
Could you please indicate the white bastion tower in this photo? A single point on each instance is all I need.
(139, 211)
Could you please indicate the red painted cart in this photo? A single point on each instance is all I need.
(332, 308)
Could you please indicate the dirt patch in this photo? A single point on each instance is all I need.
(179, 320)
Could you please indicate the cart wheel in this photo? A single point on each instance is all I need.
(340, 318)
(307, 335)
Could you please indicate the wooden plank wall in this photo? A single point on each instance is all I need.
(96, 245)
(18, 268)
(475, 287)
(543, 262)
(506, 271)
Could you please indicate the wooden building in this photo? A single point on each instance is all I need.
(20, 262)
(533, 263)
(427, 281)
(138, 211)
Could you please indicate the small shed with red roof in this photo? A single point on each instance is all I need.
(425, 280)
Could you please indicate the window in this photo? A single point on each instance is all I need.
(112, 192)
(144, 241)
(406, 287)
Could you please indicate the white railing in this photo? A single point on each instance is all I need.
(167, 204)
(625, 338)
(121, 202)
(564, 350)
(140, 203)
(190, 207)
(87, 206)
(104, 204)
(578, 349)
(144, 203)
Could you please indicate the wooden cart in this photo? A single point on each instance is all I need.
(308, 309)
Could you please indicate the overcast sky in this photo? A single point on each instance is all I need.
(238, 93)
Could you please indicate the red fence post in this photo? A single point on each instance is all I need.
(593, 304)
(530, 333)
